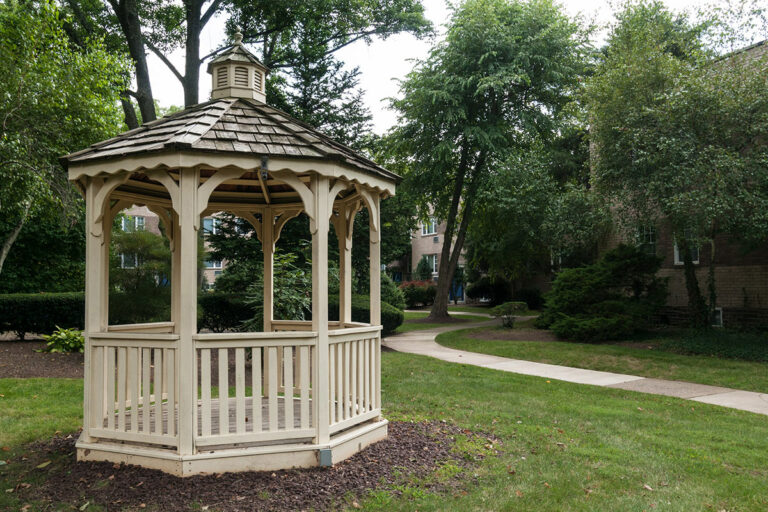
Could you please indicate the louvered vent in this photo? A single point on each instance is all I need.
(257, 80)
(241, 76)
(221, 77)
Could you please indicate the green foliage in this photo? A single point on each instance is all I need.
(292, 292)
(151, 304)
(390, 293)
(24, 313)
(64, 341)
(610, 299)
(725, 343)
(423, 269)
(418, 293)
(679, 133)
(56, 99)
(531, 296)
(507, 312)
(391, 317)
(220, 312)
(494, 289)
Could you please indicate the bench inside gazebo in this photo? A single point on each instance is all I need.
(160, 395)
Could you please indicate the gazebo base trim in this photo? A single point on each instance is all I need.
(263, 458)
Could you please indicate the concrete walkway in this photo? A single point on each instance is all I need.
(423, 343)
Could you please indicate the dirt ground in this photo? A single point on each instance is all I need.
(412, 450)
(18, 359)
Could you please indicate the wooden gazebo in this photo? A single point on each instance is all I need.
(305, 393)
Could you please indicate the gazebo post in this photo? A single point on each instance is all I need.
(189, 221)
(319, 224)
(375, 259)
(343, 224)
(175, 272)
(268, 248)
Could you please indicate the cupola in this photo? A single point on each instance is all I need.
(237, 73)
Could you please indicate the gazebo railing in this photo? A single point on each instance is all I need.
(134, 390)
(267, 405)
(354, 370)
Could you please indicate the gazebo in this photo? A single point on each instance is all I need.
(159, 395)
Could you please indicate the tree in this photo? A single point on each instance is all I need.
(424, 269)
(55, 99)
(287, 32)
(499, 81)
(679, 135)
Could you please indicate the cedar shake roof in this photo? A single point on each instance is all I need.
(229, 125)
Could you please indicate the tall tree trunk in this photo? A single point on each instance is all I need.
(712, 284)
(192, 63)
(450, 259)
(14, 234)
(696, 303)
(131, 121)
(128, 15)
(440, 306)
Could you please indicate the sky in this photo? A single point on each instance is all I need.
(382, 63)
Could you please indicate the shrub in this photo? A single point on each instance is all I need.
(65, 340)
(531, 296)
(419, 293)
(726, 343)
(148, 304)
(507, 312)
(221, 312)
(23, 313)
(390, 293)
(391, 317)
(423, 269)
(495, 290)
(612, 298)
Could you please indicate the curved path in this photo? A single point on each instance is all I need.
(423, 343)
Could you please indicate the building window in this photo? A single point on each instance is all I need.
(432, 260)
(211, 225)
(212, 263)
(429, 227)
(646, 239)
(717, 317)
(129, 261)
(694, 249)
(132, 223)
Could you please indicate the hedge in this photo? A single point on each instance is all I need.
(24, 313)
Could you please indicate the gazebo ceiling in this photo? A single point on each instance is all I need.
(227, 133)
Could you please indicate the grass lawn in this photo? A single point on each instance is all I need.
(564, 447)
(485, 310)
(752, 376)
(410, 325)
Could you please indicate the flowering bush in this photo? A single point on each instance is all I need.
(419, 293)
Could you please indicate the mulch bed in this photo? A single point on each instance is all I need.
(18, 359)
(412, 450)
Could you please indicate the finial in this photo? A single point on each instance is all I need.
(239, 36)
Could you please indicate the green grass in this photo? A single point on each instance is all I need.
(486, 310)
(752, 376)
(564, 447)
(409, 325)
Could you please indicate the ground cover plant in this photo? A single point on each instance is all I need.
(561, 446)
(649, 356)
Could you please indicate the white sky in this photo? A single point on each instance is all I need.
(381, 63)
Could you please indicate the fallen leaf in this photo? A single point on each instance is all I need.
(647, 487)
(6, 448)
(546, 485)
(9, 490)
(356, 505)
(25, 508)
(519, 493)
(24, 485)
(139, 484)
(111, 477)
(143, 505)
(85, 505)
(43, 465)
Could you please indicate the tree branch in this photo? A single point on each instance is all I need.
(206, 17)
(165, 60)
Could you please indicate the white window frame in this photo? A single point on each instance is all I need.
(432, 258)
(129, 265)
(695, 252)
(215, 223)
(213, 264)
(429, 227)
(646, 237)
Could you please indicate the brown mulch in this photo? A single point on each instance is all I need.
(513, 335)
(18, 359)
(412, 450)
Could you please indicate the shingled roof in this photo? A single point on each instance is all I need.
(238, 126)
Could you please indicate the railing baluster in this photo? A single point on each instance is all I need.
(205, 390)
(272, 365)
(97, 389)
(305, 383)
(256, 387)
(353, 377)
(159, 372)
(347, 376)
(133, 387)
(121, 384)
(240, 390)
(111, 388)
(288, 387)
(170, 381)
(146, 406)
(340, 370)
(223, 391)
(332, 385)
